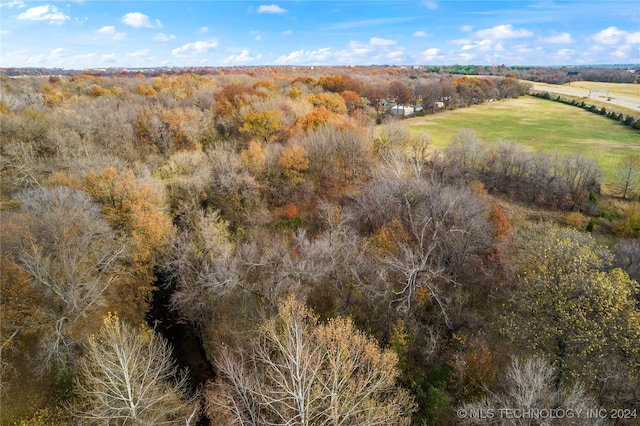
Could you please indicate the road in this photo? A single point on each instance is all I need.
(625, 101)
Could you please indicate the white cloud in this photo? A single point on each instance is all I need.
(431, 5)
(272, 8)
(622, 52)
(287, 33)
(421, 34)
(111, 30)
(563, 38)
(359, 49)
(461, 41)
(368, 23)
(523, 49)
(108, 29)
(565, 53)
(466, 28)
(194, 49)
(163, 37)
(45, 12)
(139, 20)
(432, 54)
(110, 58)
(395, 54)
(19, 4)
(3, 32)
(243, 57)
(204, 29)
(139, 53)
(381, 42)
(613, 35)
(304, 57)
(633, 38)
(58, 52)
(502, 32)
(86, 56)
(481, 45)
(467, 56)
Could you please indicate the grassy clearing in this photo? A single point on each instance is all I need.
(539, 124)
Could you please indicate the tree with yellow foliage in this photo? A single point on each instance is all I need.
(263, 125)
(331, 101)
(568, 304)
(294, 161)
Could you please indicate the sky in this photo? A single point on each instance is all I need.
(77, 34)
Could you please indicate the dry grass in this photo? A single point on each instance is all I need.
(625, 89)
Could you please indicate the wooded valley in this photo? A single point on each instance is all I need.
(333, 267)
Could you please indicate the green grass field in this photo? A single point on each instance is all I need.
(540, 125)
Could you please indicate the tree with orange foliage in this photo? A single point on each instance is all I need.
(294, 161)
(146, 90)
(266, 86)
(232, 97)
(134, 210)
(315, 119)
(331, 101)
(352, 101)
(333, 83)
(254, 158)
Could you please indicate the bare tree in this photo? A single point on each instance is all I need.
(436, 233)
(627, 257)
(71, 256)
(128, 376)
(627, 181)
(301, 373)
(531, 385)
(581, 175)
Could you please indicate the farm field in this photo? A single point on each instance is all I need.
(620, 97)
(628, 89)
(539, 124)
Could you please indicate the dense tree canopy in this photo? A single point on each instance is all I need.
(426, 279)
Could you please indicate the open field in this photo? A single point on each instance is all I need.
(539, 124)
(628, 89)
(620, 97)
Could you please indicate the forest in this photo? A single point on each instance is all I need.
(329, 266)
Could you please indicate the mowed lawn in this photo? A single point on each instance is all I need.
(539, 124)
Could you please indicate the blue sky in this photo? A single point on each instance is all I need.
(100, 34)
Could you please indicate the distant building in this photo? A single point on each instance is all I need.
(401, 111)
